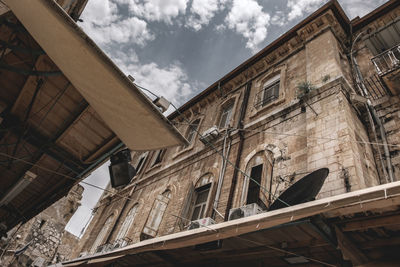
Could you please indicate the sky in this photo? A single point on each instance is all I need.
(177, 48)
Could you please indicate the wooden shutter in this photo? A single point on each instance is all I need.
(187, 203)
(157, 212)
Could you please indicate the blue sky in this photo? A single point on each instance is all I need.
(177, 48)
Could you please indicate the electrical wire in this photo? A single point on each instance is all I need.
(232, 164)
(295, 135)
(284, 251)
(129, 198)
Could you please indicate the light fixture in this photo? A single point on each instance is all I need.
(18, 187)
(296, 260)
(121, 171)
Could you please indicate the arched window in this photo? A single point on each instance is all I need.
(120, 240)
(256, 189)
(198, 201)
(156, 214)
(102, 234)
(201, 197)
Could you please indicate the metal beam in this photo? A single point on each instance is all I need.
(29, 72)
(43, 144)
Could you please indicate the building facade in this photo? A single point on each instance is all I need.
(43, 240)
(323, 95)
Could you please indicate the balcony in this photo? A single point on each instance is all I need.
(387, 65)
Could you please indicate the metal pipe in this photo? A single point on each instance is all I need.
(223, 168)
(375, 116)
(240, 149)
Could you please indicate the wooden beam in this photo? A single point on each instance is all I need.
(387, 193)
(367, 223)
(349, 250)
(387, 242)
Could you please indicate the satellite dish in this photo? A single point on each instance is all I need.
(304, 190)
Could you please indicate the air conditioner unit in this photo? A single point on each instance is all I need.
(83, 254)
(245, 211)
(201, 223)
(104, 248)
(209, 135)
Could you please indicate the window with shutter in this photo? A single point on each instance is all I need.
(158, 157)
(156, 214)
(140, 162)
(200, 202)
(102, 234)
(126, 225)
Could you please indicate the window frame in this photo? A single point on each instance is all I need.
(226, 108)
(192, 131)
(142, 157)
(272, 84)
(264, 157)
(156, 215)
(102, 234)
(126, 225)
(203, 205)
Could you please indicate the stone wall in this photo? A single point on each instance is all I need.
(45, 234)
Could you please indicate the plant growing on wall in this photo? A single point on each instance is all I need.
(303, 88)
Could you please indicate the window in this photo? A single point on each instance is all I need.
(197, 203)
(226, 115)
(120, 240)
(102, 234)
(156, 214)
(200, 203)
(140, 162)
(192, 130)
(158, 157)
(256, 189)
(269, 92)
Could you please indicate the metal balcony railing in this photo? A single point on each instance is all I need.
(387, 61)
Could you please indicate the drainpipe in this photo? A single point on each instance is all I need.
(240, 149)
(375, 116)
(225, 153)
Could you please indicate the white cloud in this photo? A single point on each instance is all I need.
(158, 10)
(248, 19)
(279, 18)
(300, 7)
(170, 81)
(203, 11)
(104, 24)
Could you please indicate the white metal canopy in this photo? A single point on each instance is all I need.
(124, 108)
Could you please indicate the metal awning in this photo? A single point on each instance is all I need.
(122, 106)
(257, 235)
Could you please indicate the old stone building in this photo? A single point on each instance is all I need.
(44, 236)
(323, 95)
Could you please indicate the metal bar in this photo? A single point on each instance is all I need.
(22, 133)
(21, 49)
(29, 72)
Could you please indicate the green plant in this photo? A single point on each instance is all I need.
(304, 88)
(326, 78)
